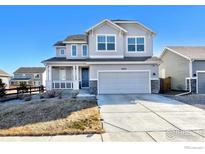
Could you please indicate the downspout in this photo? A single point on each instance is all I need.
(190, 77)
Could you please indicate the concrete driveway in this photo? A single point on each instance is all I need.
(149, 117)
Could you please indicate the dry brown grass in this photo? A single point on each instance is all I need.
(50, 117)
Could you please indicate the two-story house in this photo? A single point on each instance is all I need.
(32, 76)
(112, 57)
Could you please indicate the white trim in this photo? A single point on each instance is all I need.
(135, 36)
(101, 71)
(106, 56)
(108, 51)
(82, 50)
(71, 52)
(154, 78)
(197, 78)
(94, 79)
(123, 62)
(106, 20)
(60, 54)
(166, 48)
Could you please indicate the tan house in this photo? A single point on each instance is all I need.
(5, 77)
(33, 76)
(112, 57)
(186, 67)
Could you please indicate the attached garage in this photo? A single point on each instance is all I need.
(201, 82)
(124, 82)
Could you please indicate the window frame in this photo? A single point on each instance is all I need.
(71, 50)
(61, 51)
(82, 50)
(136, 36)
(34, 76)
(106, 35)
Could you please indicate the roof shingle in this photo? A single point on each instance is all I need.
(3, 73)
(76, 38)
(30, 70)
(191, 52)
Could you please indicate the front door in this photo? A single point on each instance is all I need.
(85, 77)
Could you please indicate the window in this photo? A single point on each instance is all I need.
(73, 50)
(106, 43)
(62, 74)
(135, 44)
(84, 50)
(36, 76)
(62, 51)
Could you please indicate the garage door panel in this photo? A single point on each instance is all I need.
(201, 82)
(123, 82)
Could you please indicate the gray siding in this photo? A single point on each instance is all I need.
(95, 68)
(105, 29)
(198, 65)
(135, 30)
(177, 68)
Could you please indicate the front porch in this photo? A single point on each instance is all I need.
(67, 77)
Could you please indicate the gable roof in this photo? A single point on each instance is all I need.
(3, 73)
(188, 52)
(30, 70)
(106, 21)
(118, 21)
(76, 38)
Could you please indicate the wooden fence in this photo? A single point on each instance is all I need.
(13, 93)
(165, 85)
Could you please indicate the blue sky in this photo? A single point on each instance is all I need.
(27, 33)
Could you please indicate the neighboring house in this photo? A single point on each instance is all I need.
(112, 57)
(33, 76)
(185, 65)
(5, 77)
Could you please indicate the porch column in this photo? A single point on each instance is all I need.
(75, 78)
(49, 78)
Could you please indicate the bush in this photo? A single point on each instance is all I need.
(2, 88)
(74, 93)
(23, 87)
(52, 94)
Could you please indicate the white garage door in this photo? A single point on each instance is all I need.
(123, 82)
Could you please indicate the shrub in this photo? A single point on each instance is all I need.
(52, 93)
(74, 93)
(2, 88)
(23, 87)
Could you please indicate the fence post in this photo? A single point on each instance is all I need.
(30, 90)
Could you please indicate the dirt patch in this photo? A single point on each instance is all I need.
(196, 100)
(50, 117)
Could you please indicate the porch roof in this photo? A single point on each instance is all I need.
(125, 59)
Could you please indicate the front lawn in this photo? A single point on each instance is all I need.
(50, 117)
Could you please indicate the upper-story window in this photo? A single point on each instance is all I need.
(73, 50)
(36, 76)
(84, 50)
(62, 51)
(106, 42)
(135, 44)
